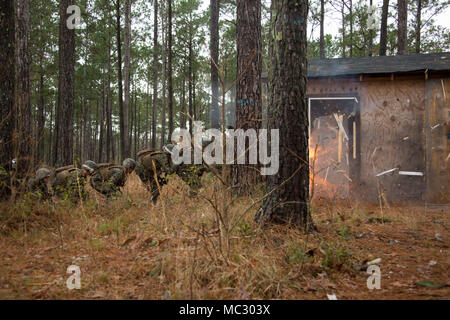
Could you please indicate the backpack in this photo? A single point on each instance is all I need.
(146, 157)
(62, 174)
(105, 170)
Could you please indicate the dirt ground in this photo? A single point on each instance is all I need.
(129, 248)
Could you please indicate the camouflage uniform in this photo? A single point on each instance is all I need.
(69, 183)
(108, 179)
(37, 186)
(144, 169)
(190, 174)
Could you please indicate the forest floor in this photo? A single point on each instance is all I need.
(129, 248)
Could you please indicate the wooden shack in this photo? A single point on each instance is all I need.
(381, 124)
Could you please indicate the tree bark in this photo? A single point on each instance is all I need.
(383, 29)
(147, 107)
(402, 26)
(343, 28)
(24, 135)
(170, 69)
(41, 119)
(164, 76)
(7, 81)
(122, 124)
(63, 151)
(155, 71)
(214, 51)
(109, 134)
(102, 120)
(183, 99)
(52, 130)
(190, 74)
(248, 89)
(127, 147)
(351, 28)
(418, 24)
(370, 35)
(85, 108)
(288, 201)
(322, 20)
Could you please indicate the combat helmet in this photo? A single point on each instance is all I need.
(90, 166)
(129, 163)
(42, 173)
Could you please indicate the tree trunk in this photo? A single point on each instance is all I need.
(147, 107)
(127, 147)
(41, 119)
(7, 81)
(370, 35)
(131, 122)
(418, 24)
(402, 26)
(24, 136)
(383, 30)
(109, 134)
(170, 69)
(343, 28)
(183, 100)
(322, 40)
(214, 51)
(138, 126)
(164, 77)
(194, 102)
(85, 109)
(63, 151)
(155, 71)
(88, 136)
(52, 131)
(351, 28)
(248, 89)
(288, 201)
(190, 76)
(102, 121)
(122, 124)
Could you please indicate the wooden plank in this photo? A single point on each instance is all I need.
(436, 142)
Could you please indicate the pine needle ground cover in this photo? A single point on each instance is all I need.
(128, 248)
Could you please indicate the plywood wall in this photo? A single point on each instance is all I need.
(437, 133)
(392, 135)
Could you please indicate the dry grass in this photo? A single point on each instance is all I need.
(129, 248)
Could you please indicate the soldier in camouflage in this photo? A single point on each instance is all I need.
(69, 182)
(154, 162)
(109, 178)
(37, 186)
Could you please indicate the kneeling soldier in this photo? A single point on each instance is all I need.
(69, 181)
(109, 178)
(152, 161)
(37, 186)
(163, 166)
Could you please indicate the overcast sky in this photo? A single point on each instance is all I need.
(332, 17)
